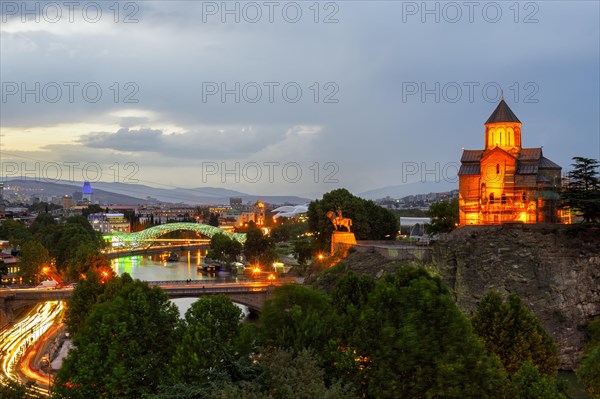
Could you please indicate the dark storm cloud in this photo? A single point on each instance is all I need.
(225, 142)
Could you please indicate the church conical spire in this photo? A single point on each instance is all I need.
(502, 113)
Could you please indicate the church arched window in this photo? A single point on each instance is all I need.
(497, 168)
(503, 199)
(491, 198)
(524, 196)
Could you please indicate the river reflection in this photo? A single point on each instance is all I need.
(156, 268)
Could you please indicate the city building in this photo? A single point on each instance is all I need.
(67, 201)
(86, 193)
(235, 202)
(505, 182)
(107, 223)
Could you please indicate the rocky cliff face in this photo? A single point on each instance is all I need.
(555, 269)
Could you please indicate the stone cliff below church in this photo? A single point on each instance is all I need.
(555, 269)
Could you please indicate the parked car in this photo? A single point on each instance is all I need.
(49, 285)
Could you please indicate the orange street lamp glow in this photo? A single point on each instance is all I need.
(45, 269)
(256, 270)
(321, 256)
(271, 277)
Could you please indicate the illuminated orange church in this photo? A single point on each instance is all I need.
(505, 182)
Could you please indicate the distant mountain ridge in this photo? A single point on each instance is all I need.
(133, 194)
(403, 190)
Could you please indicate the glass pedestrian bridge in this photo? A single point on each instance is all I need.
(147, 237)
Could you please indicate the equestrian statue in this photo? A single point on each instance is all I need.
(339, 221)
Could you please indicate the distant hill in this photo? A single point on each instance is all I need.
(132, 194)
(403, 190)
(45, 189)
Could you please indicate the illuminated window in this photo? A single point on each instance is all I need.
(491, 198)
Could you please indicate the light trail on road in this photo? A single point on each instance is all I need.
(15, 339)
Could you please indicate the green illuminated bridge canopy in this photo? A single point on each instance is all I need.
(144, 237)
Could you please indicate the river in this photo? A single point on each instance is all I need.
(156, 268)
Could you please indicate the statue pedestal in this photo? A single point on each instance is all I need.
(342, 241)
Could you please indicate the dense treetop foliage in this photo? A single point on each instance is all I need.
(122, 347)
(49, 249)
(400, 336)
(514, 334)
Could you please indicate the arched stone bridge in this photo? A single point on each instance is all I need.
(146, 237)
(251, 294)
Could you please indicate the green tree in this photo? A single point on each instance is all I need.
(349, 297)
(213, 219)
(207, 351)
(15, 232)
(414, 342)
(303, 250)
(181, 391)
(514, 334)
(444, 217)
(593, 332)
(93, 208)
(287, 375)
(297, 318)
(588, 371)
(34, 257)
(76, 241)
(224, 248)
(529, 383)
(123, 346)
(44, 229)
(288, 230)
(84, 297)
(583, 191)
(259, 248)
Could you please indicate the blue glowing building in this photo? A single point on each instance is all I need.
(86, 192)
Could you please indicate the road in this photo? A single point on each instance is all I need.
(18, 344)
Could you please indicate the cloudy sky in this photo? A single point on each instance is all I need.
(288, 97)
